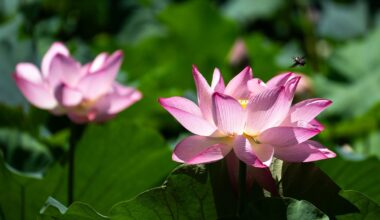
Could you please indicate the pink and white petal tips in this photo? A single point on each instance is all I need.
(229, 115)
(29, 72)
(29, 80)
(217, 84)
(256, 86)
(198, 149)
(316, 124)
(64, 69)
(287, 136)
(307, 151)
(98, 62)
(306, 110)
(122, 97)
(100, 82)
(290, 88)
(237, 87)
(55, 48)
(280, 80)
(188, 114)
(204, 93)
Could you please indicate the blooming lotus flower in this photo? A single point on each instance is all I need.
(85, 93)
(253, 119)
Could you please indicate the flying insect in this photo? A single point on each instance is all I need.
(298, 61)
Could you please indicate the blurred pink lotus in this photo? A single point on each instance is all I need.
(85, 93)
(238, 52)
(254, 119)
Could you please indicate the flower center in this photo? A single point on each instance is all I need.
(243, 102)
(252, 137)
(85, 106)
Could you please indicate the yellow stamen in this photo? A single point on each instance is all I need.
(85, 105)
(252, 137)
(243, 102)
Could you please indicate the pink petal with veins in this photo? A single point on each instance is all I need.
(198, 149)
(245, 153)
(306, 110)
(217, 84)
(307, 151)
(188, 114)
(204, 93)
(286, 136)
(265, 110)
(237, 87)
(229, 115)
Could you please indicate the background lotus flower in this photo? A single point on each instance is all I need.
(85, 93)
(252, 118)
(238, 53)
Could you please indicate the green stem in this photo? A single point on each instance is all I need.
(242, 187)
(75, 134)
(224, 195)
(70, 183)
(22, 202)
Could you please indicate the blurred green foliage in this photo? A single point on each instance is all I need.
(161, 40)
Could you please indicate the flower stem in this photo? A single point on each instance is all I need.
(70, 183)
(22, 202)
(242, 187)
(75, 134)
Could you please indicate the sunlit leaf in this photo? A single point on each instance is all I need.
(306, 181)
(355, 175)
(53, 209)
(186, 194)
(284, 208)
(116, 161)
(368, 208)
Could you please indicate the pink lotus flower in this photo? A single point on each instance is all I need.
(253, 119)
(85, 93)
